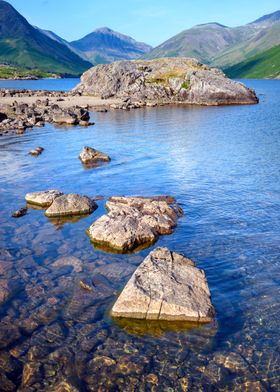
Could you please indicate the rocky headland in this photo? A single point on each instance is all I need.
(166, 80)
(122, 85)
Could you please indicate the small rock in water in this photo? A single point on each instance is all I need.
(166, 286)
(64, 118)
(90, 156)
(19, 213)
(44, 198)
(72, 204)
(37, 151)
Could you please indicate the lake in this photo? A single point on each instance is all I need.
(41, 84)
(223, 166)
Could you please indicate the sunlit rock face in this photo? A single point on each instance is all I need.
(43, 198)
(165, 80)
(166, 286)
(134, 222)
(70, 205)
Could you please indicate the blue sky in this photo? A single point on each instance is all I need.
(151, 21)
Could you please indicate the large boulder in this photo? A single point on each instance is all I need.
(70, 205)
(44, 198)
(164, 80)
(134, 222)
(166, 286)
(90, 156)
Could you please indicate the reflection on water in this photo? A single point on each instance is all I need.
(223, 166)
(156, 328)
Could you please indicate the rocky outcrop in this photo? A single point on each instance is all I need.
(20, 116)
(166, 80)
(44, 198)
(70, 205)
(90, 156)
(134, 222)
(166, 286)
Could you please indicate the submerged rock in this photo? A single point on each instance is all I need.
(69, 260)
(71, 204)
(134, 221)
(90, 156)
(44, 198)
(164, 80)
(166, 286)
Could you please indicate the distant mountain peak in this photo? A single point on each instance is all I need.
(104, 30)
(105, 45)
(273, 17)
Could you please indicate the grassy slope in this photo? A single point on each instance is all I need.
(260, 41)
(261, 66)
(24, 46)
(10, 72)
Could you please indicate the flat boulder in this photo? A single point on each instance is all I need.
(134, 222)
(44, 198)
(90, 156)
(166, 286)
(65, 118)
(70, 205)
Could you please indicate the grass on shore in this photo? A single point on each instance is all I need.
(13, 72)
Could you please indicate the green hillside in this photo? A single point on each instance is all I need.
(265, 65)
(225, 47)
(23, 45)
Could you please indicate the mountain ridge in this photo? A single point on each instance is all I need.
(23, 45)
(222, 46)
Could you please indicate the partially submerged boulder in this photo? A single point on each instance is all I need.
(166, 80)
(65, 118)
(70, 205)
(166, 286)
(20, 213)
(90, 156)
(44, 198)
(36, 151)
(134, 222)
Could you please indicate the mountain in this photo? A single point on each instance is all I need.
(274, 17)
(105, 46)
(62, 41)
(263, 65)
(23, 45)
(223, 46)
